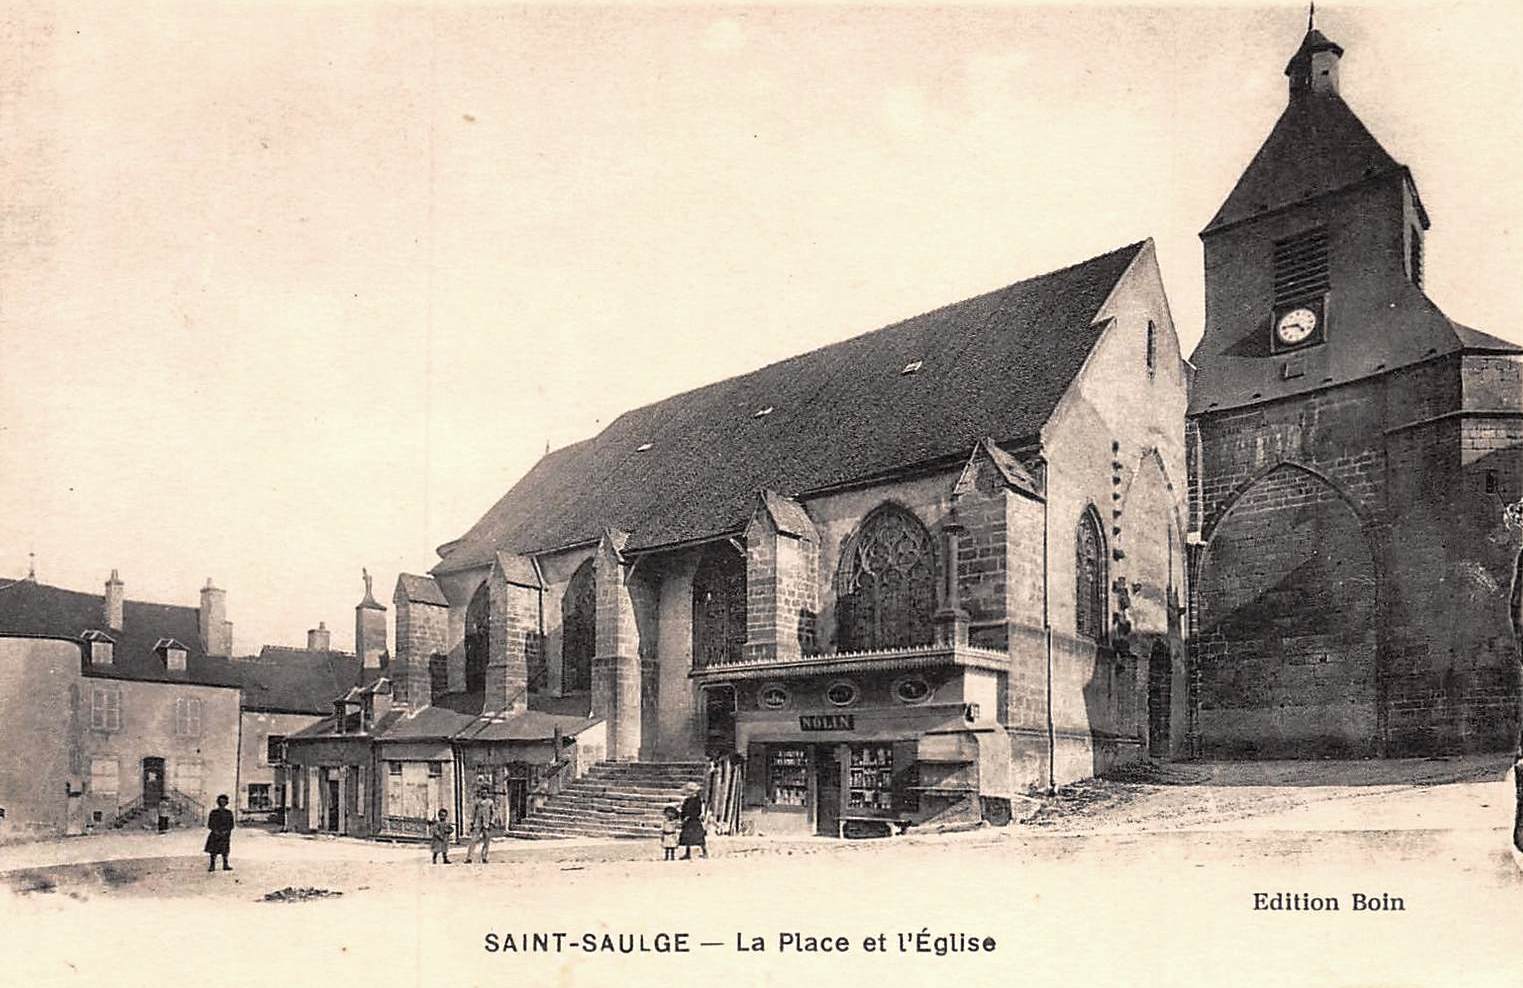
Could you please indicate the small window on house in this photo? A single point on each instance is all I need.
(1415, 257)
(1152, 348)
(106, 710)
(260, 796)
(912, 366)
(1300, 267)
(188, 717)
(103, 776)
(435, 769)
(842, 693)
(102, 648)
(275, 749)
(644, 447)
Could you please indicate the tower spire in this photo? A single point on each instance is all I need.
(1311, 16)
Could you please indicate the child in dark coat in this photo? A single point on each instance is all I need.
(439, 837)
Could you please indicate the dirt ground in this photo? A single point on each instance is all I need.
(1147, 880)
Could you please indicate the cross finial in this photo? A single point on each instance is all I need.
(1311, 16)
(366, 574)
(31, 566)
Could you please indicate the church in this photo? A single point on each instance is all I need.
(1352, 450)
(1020, 540)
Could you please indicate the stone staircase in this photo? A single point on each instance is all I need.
(614, 799)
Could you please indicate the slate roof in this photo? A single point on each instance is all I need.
(295, 680)
(841, 413)
(1317, 146)
(421, 589)
(31, 608)
(459, 717)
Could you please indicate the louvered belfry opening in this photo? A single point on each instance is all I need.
(1300, 267)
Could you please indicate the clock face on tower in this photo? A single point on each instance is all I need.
(1296, 326)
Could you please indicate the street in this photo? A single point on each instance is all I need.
(1137, 884)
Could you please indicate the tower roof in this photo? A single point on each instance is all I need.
(1314, 42)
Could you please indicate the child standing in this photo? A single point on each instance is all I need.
(439, 837)
(669, 830)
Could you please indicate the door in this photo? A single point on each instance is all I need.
(827, 792)
(153, 783)
(718, 720)
(1160, 682)
(331, 804)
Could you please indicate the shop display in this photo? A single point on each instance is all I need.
(872, 778)
(788, 776)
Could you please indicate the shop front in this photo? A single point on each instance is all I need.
(868, 752)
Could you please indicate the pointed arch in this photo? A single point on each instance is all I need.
(1091, 572)
(719, 606)
(478, 639)
(1208, 530)
(887, 583)
(579, 629)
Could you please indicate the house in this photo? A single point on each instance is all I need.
(1352, 450)
(109, 705)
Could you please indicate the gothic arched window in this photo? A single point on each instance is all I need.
(478, 639)
(579, 630)
(719, 607)
(888, 589)
(1089, 568)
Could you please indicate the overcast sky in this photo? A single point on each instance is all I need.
(289, 292)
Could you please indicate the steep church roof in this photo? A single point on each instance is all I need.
(912, 393)
(1317, 146)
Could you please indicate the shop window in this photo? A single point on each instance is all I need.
(106, 709)
(774, 696)
(872, 778)
(579, 630)
(888, 584)
(478, 640)
(719, 607)
(788, 776)
(842, 693)
(911, 690)
(104, 778)
(1089, 568)
(188, 716)
(260, 796)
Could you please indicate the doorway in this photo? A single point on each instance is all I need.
(827, 787)
(1160, 677)
(331, 795)
(153, 781)
(718, 720)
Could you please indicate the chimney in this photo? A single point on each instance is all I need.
(113, 613)
(214, 625)
(319, 639)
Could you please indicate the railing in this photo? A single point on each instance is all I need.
(123, 813)
(186, 806)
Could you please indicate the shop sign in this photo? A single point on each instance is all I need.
(827, 722)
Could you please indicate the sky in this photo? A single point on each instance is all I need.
(287, 292)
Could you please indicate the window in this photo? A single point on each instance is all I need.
(1089, 567)
(260, 796)
(478, 640)
(719, 607)
(103, 776)
(579, 630)
(774, 696)
(188, 717)
(788, 776)
(888, 584)
(1300, 267)
(438, 676)
(912, 690)
(1415, 257)
(275, 749)
(188, 777)
(102, 648)
(435, 770)
(280, 795)
(105, 709)
(842, 693)
(1152, 348)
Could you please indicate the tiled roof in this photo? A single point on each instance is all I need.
(31, 608)
(1317, 146)
(690, 466)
